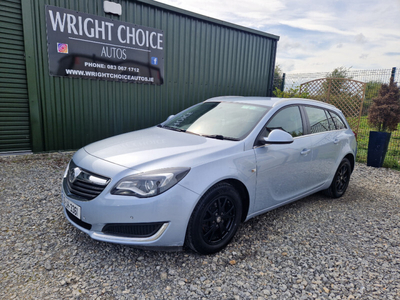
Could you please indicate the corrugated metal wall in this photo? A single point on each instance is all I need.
(203, 58)
(14, 107)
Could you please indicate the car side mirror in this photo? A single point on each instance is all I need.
(278, 136)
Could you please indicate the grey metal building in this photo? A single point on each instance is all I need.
(73, 72)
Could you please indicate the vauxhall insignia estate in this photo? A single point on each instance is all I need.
(190, 181)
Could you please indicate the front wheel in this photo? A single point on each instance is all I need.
(215, 219)
(340, 181)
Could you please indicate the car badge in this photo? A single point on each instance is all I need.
(73, 174)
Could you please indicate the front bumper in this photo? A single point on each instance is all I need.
(170, 210)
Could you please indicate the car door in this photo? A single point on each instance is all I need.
(327, 142)
(283, 170)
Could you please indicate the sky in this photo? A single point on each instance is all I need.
(316, 36)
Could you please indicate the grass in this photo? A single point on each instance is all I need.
(392, 159)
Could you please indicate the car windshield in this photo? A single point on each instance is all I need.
(220, 120)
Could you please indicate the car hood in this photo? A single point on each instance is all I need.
(160, 148)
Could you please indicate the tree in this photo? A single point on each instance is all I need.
(384, 113)
(278, 72)
(336, 83)
(278, 77)
(340, 72)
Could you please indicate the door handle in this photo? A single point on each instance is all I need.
(305, 151)
(336, 141)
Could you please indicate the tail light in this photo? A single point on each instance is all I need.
(355, 134)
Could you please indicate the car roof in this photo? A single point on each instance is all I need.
(268, 101)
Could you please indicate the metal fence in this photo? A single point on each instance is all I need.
(374, 79)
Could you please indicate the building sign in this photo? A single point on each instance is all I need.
(88, 46)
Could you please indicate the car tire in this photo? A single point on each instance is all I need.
(340, 181)
(215, 219)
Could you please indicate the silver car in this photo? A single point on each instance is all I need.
(191, 180)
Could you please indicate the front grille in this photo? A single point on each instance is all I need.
(78, 222)
(141, 230)
(82, 184)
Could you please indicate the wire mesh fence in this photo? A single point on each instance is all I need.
(373, 80)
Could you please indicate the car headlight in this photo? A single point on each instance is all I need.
(149, 184)
(66, 170)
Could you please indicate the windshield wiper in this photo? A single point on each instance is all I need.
(172, 128)
(220, 137)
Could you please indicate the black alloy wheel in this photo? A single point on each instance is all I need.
(218, 219)
(341, 180)
(215, 219)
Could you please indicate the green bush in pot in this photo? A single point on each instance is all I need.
(384, 115)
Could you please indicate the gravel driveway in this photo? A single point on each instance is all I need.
(319, 248)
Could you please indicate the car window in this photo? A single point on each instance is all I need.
(222, 120)
(331, 123)
(339, 124)
(287, 119)
(318, 119)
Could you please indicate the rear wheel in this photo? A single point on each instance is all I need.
(215, 219)
(340, 181)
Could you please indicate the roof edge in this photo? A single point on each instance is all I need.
(207, 19)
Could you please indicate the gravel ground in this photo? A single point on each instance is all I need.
(316, 248)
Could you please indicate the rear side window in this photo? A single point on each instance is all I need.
(339, 124)
(318, 120)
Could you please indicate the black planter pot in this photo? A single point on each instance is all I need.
(377, 148)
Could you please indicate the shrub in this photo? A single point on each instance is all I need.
(384, 113)
(291, 93)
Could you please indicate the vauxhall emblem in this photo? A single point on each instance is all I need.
(73, 174)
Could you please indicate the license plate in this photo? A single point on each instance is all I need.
(72, 208)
